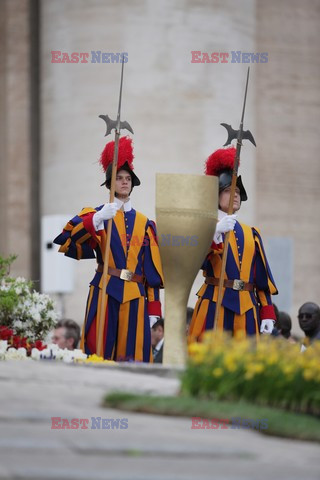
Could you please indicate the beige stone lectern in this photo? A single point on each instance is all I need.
(186, 215)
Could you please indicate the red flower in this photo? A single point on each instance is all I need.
(5, 333)
(16, 341)
(38, 344)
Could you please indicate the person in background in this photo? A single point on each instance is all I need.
(157, 340)
(189, 318)
(284, 325)
(66, 334)
(309, 321)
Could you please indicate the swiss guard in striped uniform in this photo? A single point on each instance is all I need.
(134, 274)
(248, 285)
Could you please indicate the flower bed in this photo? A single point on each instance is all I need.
(269, 372)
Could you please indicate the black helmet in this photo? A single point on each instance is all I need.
(225, 179)
(135, 180)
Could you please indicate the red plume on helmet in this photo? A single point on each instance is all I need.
(222, 159)
(125, 160)
(220, 163)
(125, 154)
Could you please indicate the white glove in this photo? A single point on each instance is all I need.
(226, 224)
(107, 211)
(267, 326)
(153, 319)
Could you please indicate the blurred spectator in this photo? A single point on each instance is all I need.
(189, 317)
(284, 325)
(157, 339)
(66, 334)
(309, 320)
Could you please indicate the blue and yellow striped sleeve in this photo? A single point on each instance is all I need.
(76, 240)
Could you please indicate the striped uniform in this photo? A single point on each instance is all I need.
(133, 247)
(240, 310)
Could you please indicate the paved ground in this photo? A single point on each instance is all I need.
(151, 448)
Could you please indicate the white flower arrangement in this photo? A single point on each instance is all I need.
(16, 354)
(52, 352)
(27, 312)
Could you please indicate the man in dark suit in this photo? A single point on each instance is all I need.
(157, 339)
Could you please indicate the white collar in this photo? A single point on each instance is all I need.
(159, 344)
(126, 205)
(221, 214)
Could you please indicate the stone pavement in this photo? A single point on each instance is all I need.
(151, 448)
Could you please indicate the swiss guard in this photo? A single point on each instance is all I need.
(134, 272)
(248, 284)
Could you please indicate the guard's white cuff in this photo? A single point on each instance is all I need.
(97, 222)
(267, 326)
(218, 238)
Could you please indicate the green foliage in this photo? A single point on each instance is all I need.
(5, 264)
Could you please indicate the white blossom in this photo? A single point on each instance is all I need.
(52, 352)
(14, 354)
(3, 346)
(35, 354)
(32, 315)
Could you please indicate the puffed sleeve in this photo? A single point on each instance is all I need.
(78, 238)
